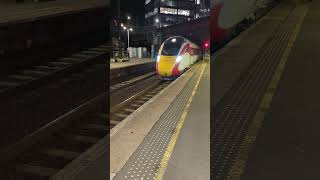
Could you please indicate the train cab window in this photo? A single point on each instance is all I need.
(172, 46)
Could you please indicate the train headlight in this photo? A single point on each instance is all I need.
(179, 58)
(158, 59)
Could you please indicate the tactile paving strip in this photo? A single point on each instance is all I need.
(145, 161)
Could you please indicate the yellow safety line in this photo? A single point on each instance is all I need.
(174, 137)
(239, 165)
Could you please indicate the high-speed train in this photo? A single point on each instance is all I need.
(225, 16)
(176, 54)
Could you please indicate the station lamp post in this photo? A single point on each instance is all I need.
(128, 29)
(157, 21)
(155, 43)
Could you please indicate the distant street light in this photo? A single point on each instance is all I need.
(157, 22)
(131, 29)
(128, 17)
(124, 27)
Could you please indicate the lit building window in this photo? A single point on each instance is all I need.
(183, 12)
(168, 10)
(148, 14)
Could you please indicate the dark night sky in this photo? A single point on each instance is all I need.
(135, 8)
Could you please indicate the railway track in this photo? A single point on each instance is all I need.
(48, 150)
(131, 82)
(43, 73)
(131, 104)
(44, 153)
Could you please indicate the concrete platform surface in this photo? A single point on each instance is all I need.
(191, 155)
(127, 141)
(287, 146)
(122, 143)
(241, 74)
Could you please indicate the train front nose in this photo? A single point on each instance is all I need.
(166, 65)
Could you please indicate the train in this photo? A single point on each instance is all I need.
(226, 17)
(176, 55)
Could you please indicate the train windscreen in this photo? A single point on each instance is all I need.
(172, 46)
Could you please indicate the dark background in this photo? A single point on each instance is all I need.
(134, 8)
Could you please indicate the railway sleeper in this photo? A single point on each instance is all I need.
(97, 127)
(102, 116)
(70, 59)
(86, 132)
(8, 84)
(80, 138)
(35, 72)
(135, 105)
(36, 170)
(47, 68)
(149, 95)
(59, 63)
(99, 49)
(104, 46)
(78, 75)
(42, 159)
(140, 102)
(21, 77)
(120, 115)
(61, 153)
(75, 146)
(145, 98)
(129, 110)
(83, 56)
(92, 52)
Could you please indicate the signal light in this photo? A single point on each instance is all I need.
(206, 45)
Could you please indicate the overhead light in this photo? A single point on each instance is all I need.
(131, 29)
(129, 17)
(124, 28)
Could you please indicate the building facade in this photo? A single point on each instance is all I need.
(162, 13)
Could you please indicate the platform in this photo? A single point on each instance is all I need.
(168, 137)
(266, 99)
(131, 62)
(23, 12)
